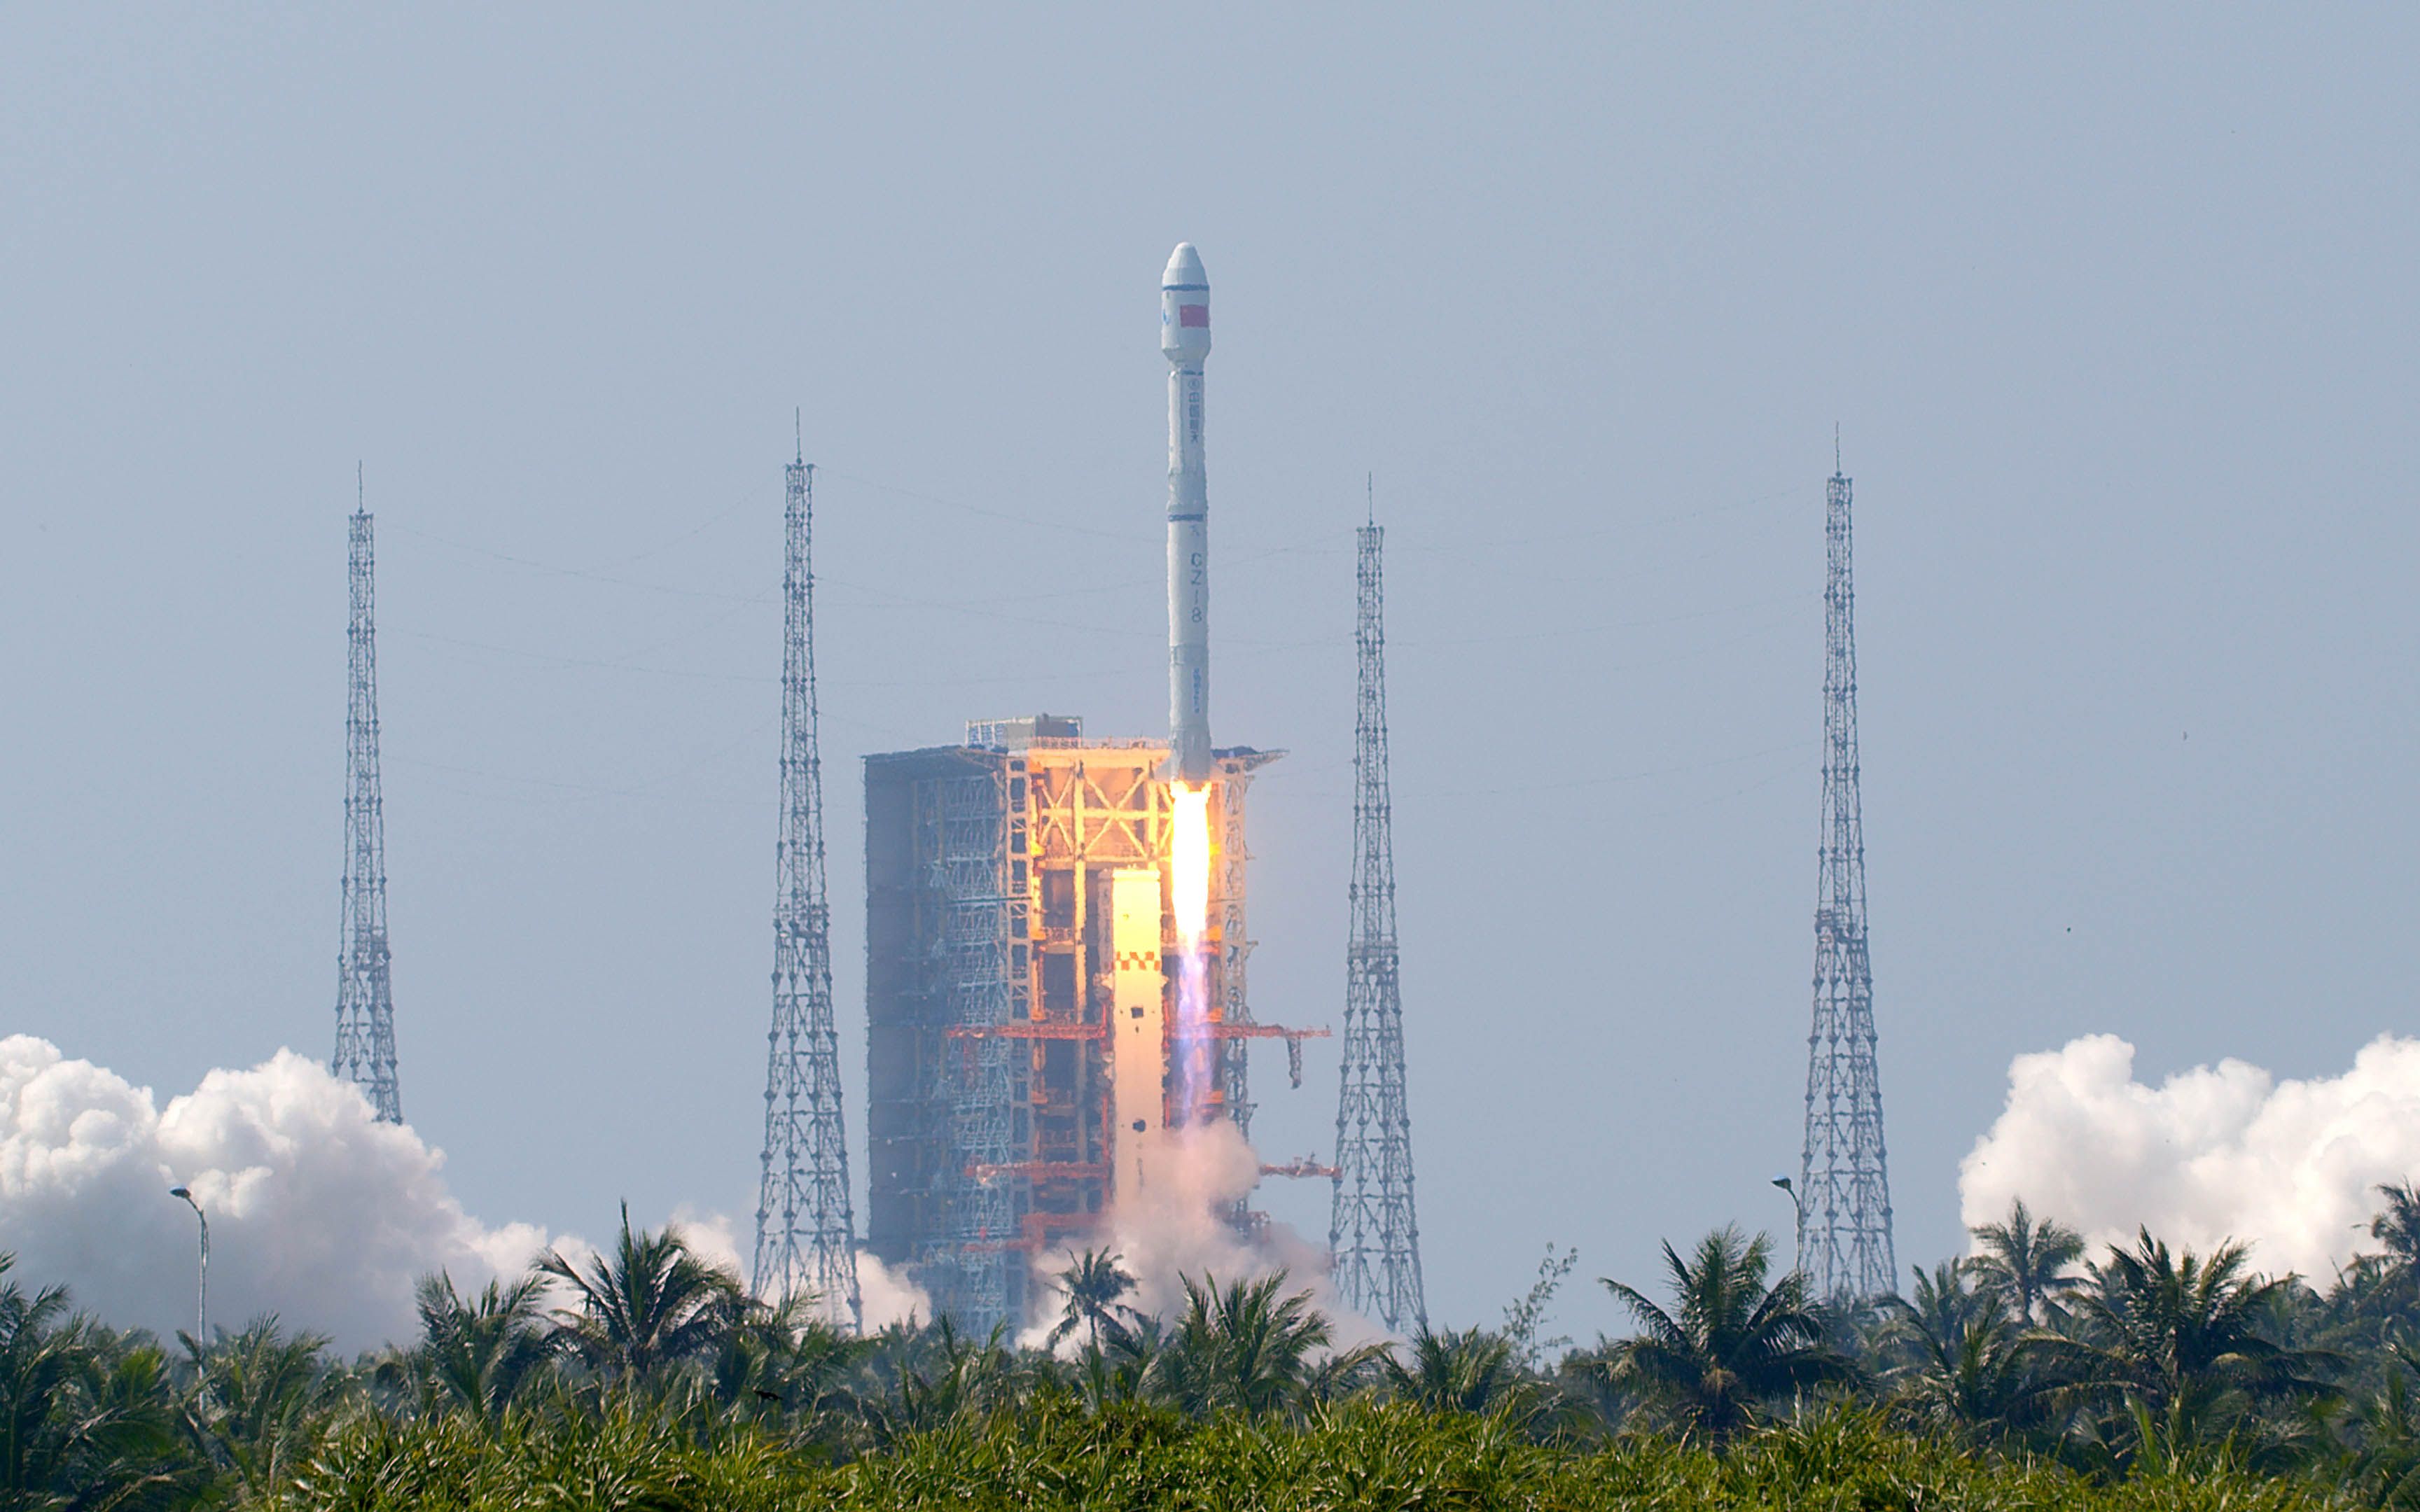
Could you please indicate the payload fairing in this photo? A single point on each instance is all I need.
(1185, 340)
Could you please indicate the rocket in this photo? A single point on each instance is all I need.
(1185, 341)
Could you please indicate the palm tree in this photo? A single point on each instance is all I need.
(476, 1355)
(2398, 1225)
(649, 1306)
(2383, 1453)
(2176, 1347)
(130, 1453)
(1245, 1349)
(1092, 1287)
(263, 1398)
(1472, 1371)
(43, 1357)
(83, 1415)
(1962, 1363)
(784, 1358)
(2027, 1265)
(919, 1380)
(1125, 1368)
(2371, 1310)
(1732, 1346)
(1344, 1374)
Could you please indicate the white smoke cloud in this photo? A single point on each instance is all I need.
(711, 1237)
(319, 1213)
(2213, 1154)
(1176, 1227)
(888, 1296)
(885, 1296)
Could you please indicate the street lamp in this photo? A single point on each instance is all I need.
(202, 1308)
(1798, 1204)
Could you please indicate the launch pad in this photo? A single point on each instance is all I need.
(1020, 1002)
(1055, 945)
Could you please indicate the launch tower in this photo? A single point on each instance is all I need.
(365, 1008)
(1019, 956)
(806, 1242)
(1373, 1231)
(1055, 946)
(1844, 1216)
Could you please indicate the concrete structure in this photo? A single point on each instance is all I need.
(1018, 949)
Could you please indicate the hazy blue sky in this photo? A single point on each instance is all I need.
(2115, 310)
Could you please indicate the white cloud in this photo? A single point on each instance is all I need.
(319, 1213)
(2209, 1154)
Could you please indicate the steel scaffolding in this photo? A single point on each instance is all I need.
(1373, 1228)
(991, 970)
(1844, 1222)
(364, 1053)
(806, 1243)
(978, 967)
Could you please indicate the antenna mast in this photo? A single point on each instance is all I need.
(365, 1007)
(805, 1237)
(1844, 1225)
(1373, 1233)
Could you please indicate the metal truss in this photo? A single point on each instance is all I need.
(364, 1052)
(1844, 1223)
(806, 1242)
(1373, 1231)
(968, 831)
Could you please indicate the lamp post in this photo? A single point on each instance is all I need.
(202, 1307)
(1798, 1242)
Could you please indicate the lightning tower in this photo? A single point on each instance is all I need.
(1372, 1232)
(1844, 1218)
(365, 1007)
(805, 1237)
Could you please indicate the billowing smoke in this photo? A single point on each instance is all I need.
(319, 1213)
(2209, 1154)
(886, 1296)
(1176, 1227)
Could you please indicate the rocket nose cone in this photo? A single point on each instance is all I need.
(1184, 269)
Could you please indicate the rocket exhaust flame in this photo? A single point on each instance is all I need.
(1185, 341)
(1188, 898)
(1188, 859)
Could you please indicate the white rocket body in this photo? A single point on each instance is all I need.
(1185, 340)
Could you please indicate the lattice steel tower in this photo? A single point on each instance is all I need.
(365, 1008)
(1844, 1219)
(805, 1236)
(1372, 1232)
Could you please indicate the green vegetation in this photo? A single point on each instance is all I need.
(2031, 1376)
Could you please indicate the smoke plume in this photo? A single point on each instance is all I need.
(2209, 1154)
(885, 1296)
(319, 1213)
(1176, 1227)
(888, 1296)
